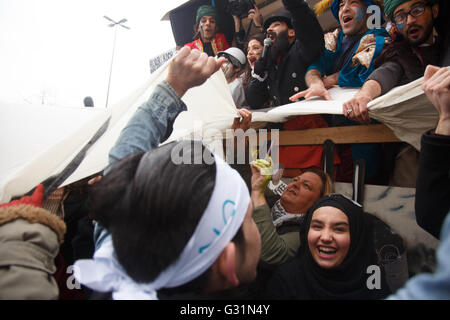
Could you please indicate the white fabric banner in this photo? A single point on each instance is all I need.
(406, 110)
(39, 141)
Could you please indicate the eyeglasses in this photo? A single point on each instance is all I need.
(415, 12)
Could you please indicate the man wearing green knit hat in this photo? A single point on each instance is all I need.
(205, 10)
(406, 58)
(413, 19)
(416, 45)
(391, 5)
(207, 39)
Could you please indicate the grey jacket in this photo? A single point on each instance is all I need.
(29, 242)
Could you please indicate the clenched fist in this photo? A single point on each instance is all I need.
(191, 68)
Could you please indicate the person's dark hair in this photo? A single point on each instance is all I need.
(88, 102)
(248, 73)
(260, 36)
(151, 206)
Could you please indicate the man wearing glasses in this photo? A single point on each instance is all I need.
(405, 60)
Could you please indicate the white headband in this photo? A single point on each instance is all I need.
(218, 225)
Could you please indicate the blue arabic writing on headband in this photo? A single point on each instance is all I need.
(231, 214)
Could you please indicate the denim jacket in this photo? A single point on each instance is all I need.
(150, 125)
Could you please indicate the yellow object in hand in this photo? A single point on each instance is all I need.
(265, 167)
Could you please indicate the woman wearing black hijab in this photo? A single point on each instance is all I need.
(336, 250)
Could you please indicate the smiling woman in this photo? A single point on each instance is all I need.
(329, 237)
(336, 256)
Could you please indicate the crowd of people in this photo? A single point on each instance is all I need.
(162, 230)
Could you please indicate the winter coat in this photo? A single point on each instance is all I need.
(29, 242)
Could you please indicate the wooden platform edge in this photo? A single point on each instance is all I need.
(374, 133)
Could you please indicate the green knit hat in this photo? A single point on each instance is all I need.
(391, 5)
(205, 10)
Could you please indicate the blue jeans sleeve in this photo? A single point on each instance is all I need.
(149, 125)
(146, 129)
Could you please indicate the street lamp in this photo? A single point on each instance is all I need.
(113, 24)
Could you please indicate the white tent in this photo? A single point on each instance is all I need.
(38, 142)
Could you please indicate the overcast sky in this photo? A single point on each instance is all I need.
(59, 51)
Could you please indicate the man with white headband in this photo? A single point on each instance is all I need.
(170, 230)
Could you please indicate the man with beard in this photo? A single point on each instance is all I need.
(406, 58)
(207, 39)
(403, 61)
(297, 41)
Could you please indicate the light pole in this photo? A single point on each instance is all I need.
(113, 24)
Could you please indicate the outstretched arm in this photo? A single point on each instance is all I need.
(433, 182)
(153, 120)
(356, 108)
(255, 16)
(308, 31)
(316, 87)
(380, 81)
(275, 248)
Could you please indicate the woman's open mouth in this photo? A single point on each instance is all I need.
(326, 252)
(252, 60)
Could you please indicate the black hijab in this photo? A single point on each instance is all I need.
(304, 279)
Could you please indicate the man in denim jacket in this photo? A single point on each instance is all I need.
(152, 122)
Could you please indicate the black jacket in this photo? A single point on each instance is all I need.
(433, 183)
(288, 77)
